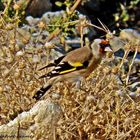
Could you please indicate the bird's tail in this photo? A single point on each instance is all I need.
(41, 92)
(47, 66)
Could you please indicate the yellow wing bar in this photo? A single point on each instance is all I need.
(66, 71)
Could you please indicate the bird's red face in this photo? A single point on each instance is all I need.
(104, 46)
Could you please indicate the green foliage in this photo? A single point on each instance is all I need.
(59, 3)
(123, 14)
(66, 3)
(14, 11)
(66, 24)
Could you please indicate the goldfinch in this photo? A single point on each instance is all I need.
(75, 65)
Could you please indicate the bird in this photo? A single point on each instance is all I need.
(76, 64)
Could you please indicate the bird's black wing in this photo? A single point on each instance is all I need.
(55, 63)
(64, 68)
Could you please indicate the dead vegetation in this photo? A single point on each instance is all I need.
(96, 111)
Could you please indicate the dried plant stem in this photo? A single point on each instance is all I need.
(117, 115)
(126, 134)
(53, 131)
(54, 34)
(28, 4)
(104, 88)
(81, 39)
(18, 132)
(75, 5)
(12, 67)
(117, 128)
(7, 7)
(124, 57)
(130, 66)
(100, 81)
(69, 132)
(89, 24)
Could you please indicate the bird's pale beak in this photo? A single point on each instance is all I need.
(108, 49)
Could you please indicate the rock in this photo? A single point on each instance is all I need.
(119, 93)
(132, 94)
(35, 8)
(130, 35)
(29, 124)
(36, 59)
(117, 43)
(56, 96)
(32, 21)
(22, 36)
(20, 53)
